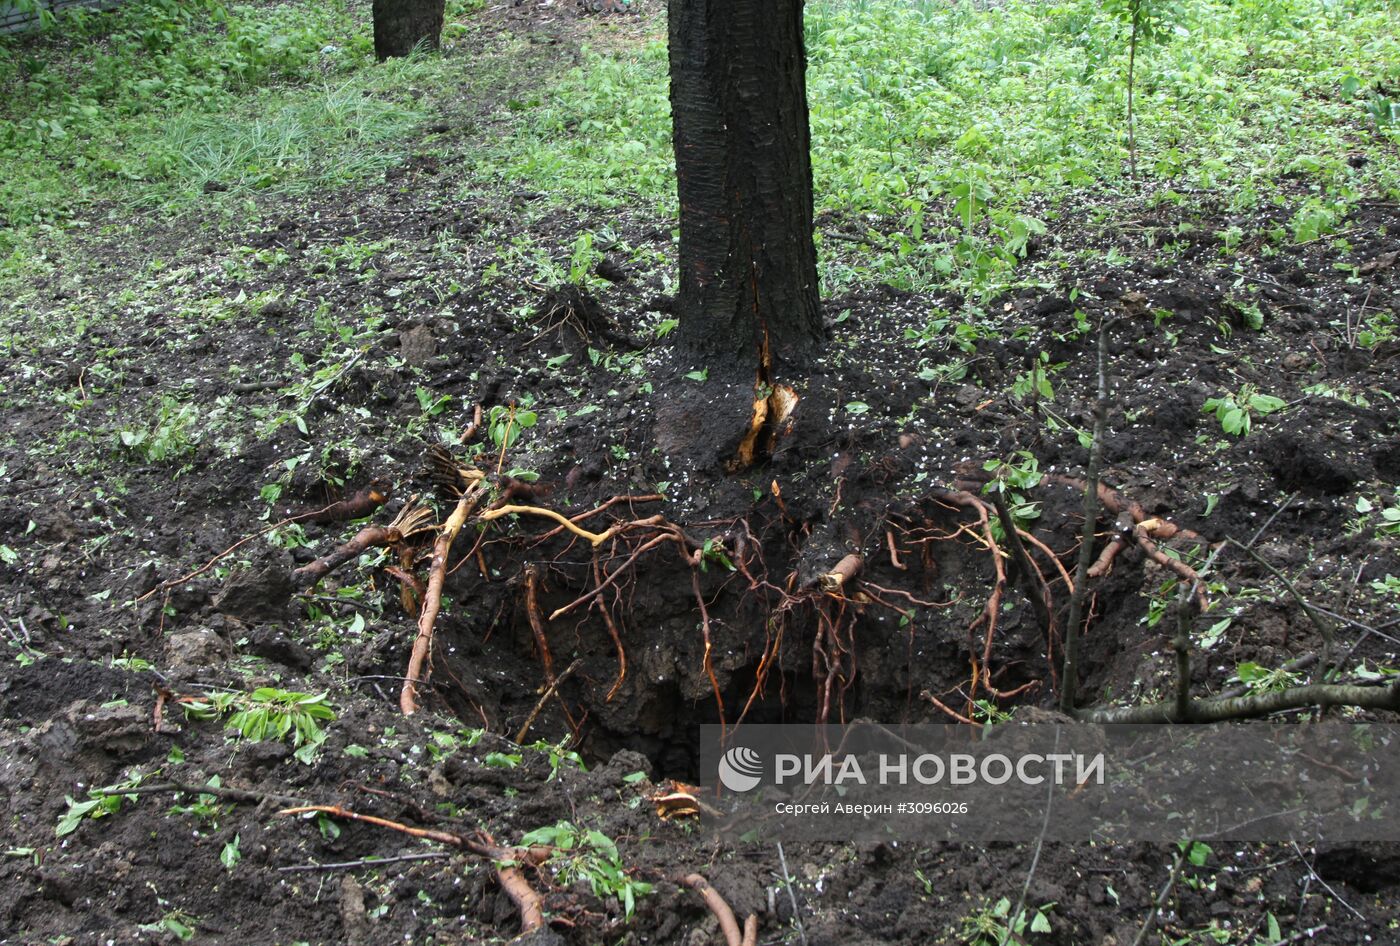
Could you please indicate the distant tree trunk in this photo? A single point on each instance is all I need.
(401, 25)
(748, 273)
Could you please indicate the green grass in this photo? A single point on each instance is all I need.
(149, 105)
(939, 120)
(933, 123)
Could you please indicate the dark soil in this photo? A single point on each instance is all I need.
(893, 418)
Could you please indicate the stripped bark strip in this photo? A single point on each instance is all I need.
(432, 599)
(727, 924)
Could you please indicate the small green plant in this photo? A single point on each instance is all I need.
(269, 713)
(1035, 383)
(100, 803)
(1236, 411)
(171, 436)
(1262, 679)
(713, 551)
(1012, 478)
(559, 755)
(587, 854)
(504, 424)
(994, 925)
(1385, 519)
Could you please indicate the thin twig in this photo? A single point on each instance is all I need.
(368, 862)
(792, 896)
(1161, 900)
(544, 698)
(220, 791)
(1035, 858)
(1069, 675)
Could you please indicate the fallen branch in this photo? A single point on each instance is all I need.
(1219, 709)
(432, 599)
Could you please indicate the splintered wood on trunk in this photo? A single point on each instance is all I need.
(748, 276)
(400, 26)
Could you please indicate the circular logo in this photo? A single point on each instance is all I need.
(740, 769)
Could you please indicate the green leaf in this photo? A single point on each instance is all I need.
(857, 407)
(1040, 924)
(230, 856)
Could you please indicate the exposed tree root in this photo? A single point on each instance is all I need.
(594, 538)
(170, 583)
(532, 611)
(506, 860)
(728, 925)
(992, 610)
(602, 608)
(362, 504)
(411, 520)
(432, 598)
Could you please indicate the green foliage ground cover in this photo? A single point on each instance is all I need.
(944, 133)
(935, 117)
(163, 103)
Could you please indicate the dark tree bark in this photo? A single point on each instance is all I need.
(748, 298)
(401, 25)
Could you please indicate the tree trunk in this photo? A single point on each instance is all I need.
(748, 283)
(401, 25)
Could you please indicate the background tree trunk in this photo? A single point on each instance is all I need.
(400, 25)
(748, 288)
